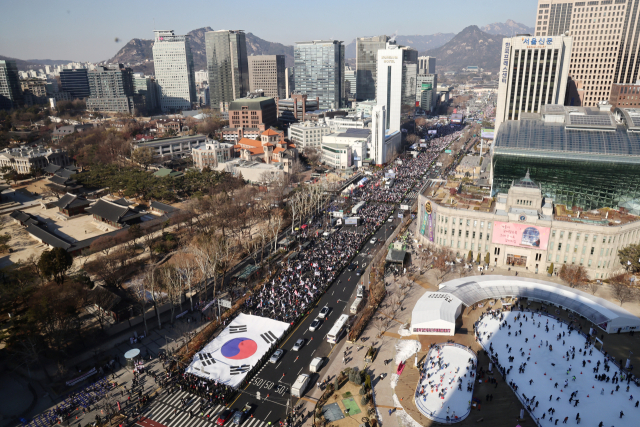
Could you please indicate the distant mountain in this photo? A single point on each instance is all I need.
(419, 43)
(138, 53)
(470, 46)
(31, 64)
(509, 28)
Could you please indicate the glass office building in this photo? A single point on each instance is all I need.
(366, 65)
(580, 156)
(76, 82)
(319, 71)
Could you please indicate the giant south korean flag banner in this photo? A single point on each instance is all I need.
(233, 353)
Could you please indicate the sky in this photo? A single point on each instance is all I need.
(88, 30)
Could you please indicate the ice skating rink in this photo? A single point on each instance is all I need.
(447, 384)
(541, 382)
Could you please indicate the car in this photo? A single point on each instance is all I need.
(373, 241)
(224, 417)
(352, 266)
(240, 416)
(359, 272)
(298, 344)
(324, 312)
(276, 355)
(315, 324)
(390, 219)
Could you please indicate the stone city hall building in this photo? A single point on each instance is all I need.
(522, 229)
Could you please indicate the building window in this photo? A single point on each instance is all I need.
(466, 234)
(474, 235)
(559, 246)
(480, 236)
(592, 249)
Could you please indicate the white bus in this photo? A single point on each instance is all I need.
(338, 328)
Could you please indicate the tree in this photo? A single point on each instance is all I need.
(54, 264)
(630, 258)
(102, 300)
(487, 258)
(593, 286)
(621, 289)
(550, 269)
(574, 275)
(313, 155)
(470, 257)
(143, 156)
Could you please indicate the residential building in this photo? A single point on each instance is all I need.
(211, 154)
(25, 160)
(230, 134)
(75, 82)
(605, 44)
(111, 90)
(253, 111)
(625, 95)
(267, 74)
(290, 81)
(367, 65)
(179, 146)
(10, 91)
(34, 92)
(62, 131)
(147, 88)
(319, 71)
(295, 109)
(271, 148)
(426, 65)
(522, 228)
(533, 73)
(581, 156)
(308, 134)
(174, 71)
(350, 82)
(227, 66)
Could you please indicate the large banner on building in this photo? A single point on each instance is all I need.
(520, 235)
(487, 133)
(237, 349)
(428, 225)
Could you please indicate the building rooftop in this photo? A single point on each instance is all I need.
(603, 216)
(459, 195)
(256, 103)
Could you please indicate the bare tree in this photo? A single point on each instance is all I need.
(187, 268)
(152, 284)
(172, 281)
(574, 275)
(593, 286)
(138, 293)
(621, 289)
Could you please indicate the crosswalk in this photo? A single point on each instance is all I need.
(162, 410)
(413, 194)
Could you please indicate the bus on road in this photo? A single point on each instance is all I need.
(338, 328)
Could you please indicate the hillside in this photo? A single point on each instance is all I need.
(509, 28)
(138, 51)
(419, 43)
(33, 63)
(470, 46)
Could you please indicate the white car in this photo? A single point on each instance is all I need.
(390, 219)
(373, 241)
(276, 355)
(298, 345)
(315, 324)
(323, 312)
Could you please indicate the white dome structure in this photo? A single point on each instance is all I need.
(435, 313)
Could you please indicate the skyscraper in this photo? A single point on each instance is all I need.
(75, 82)
(267, 73)
(605, 44)
(111, 90)
(319, 71)
(409, 75)
(533, 73)
(290, 81)
(10, 90)
(227, 65)
(426, 65)
(366, 65)
(350, 79)
(389, 85)
(174, 70)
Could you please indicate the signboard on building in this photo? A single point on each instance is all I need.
(520, 235)
(426, 86)
(427, 227)
(487, 133)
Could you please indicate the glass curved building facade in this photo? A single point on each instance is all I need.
(580, 156)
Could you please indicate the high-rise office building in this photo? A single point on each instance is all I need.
(175, 74)
(319, 71)
(111, 90)
(533, 73)
(426, 65)
(605, 44)
(75, 82)
(350, 81)
(427, 82)
(146, 87)
(10, 90)
(290, 81)
(227, 65)
(267, 73)
(366, 65)
(389, 85)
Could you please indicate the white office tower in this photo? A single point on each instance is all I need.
(173, 63)
(533, 73)
(426, 65)
(378, 131)
(389, 84)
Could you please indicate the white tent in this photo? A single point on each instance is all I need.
(435, 313)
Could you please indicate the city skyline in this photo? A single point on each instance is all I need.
(86, 40)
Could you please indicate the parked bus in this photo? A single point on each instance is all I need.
(338, 328)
